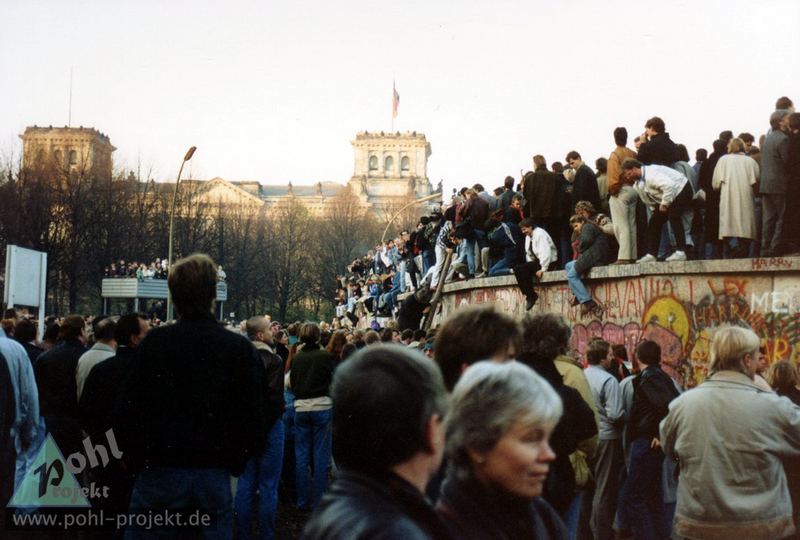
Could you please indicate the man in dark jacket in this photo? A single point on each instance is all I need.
(653, 390)
(654, 146)
(544, 193)
(413, 308)
(263, 472)
(388, 441)
(58, 391)
(96, 408)
(584, 186)
(192, 410)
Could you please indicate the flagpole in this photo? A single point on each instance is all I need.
(393, 92)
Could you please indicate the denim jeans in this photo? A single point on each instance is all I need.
(312, 446)
(469, 254)
(576, 285)
(644, 492)
(288, 490)
(189, 489)
(573, 515)
(261, 474)
(500, 268)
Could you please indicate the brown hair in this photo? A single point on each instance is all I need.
(71, 327)
(337, 343)
(783, 375)
(193, 285)
(472, 334)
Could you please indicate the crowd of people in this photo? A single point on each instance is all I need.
(158, 269)
(639, 205)
(485, 427)
(121, 269)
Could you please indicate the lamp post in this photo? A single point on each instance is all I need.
(412, 203)
(186, 158)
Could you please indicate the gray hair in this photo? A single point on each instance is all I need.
(776, 117)
(488, 400)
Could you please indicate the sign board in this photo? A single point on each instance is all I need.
(26, 278)
(26, 274)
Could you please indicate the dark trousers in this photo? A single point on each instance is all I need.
(643, 491)
(526, 275)
(674, 215)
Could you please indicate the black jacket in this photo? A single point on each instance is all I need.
(659, 150)
(101, 390)
(594, 248)
(362, 507)
(653, 390)
(473, 511)
(58, 393)
(576, 424)
(273, 389)
(543, 193)
(584, 187)
(194, 398)
(411, 312)
(312, 372)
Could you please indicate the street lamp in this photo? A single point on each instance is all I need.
(186, 158)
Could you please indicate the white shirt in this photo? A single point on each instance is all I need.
(660, 185)
(539, 245)
(89, 359)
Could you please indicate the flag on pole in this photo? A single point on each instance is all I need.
(395, 100)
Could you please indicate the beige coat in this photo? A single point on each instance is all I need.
(734, 177)
(729, 438)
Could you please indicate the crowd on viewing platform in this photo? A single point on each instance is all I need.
(120, 269)
(639, 205)
(158, 269)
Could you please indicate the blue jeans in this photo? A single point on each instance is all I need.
(469, 253)
(576, 285)
(312, 446)
(643, 498)
(261, 474)
(573, 515)
(171, 488)
(500, 268)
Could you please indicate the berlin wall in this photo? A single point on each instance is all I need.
(676, 304)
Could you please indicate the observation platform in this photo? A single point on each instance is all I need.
(145, 289)
(677, 304)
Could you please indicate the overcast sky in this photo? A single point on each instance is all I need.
(275, 91)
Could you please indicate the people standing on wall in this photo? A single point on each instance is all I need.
(774, 184)
(667, 192)
(712, 245)
(735, 176)
(584, 185)
(791, 231)
(623, 199)
(654, 146)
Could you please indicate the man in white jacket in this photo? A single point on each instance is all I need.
(540, 253)
(667, 192)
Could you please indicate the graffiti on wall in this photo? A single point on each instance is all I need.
(679, 312)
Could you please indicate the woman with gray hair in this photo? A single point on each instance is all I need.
(729, 438)
(498, 444)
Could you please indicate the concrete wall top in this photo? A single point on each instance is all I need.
(676, 304)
